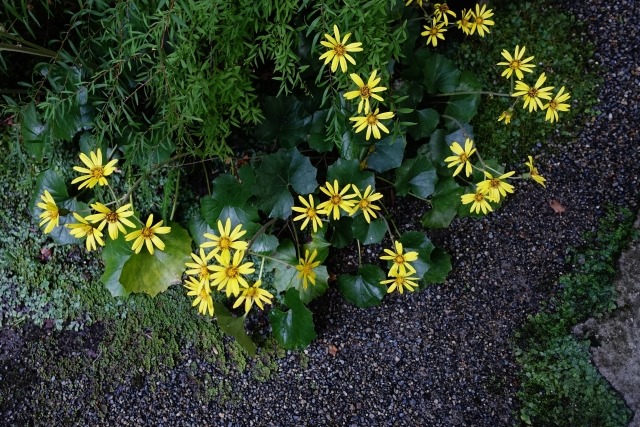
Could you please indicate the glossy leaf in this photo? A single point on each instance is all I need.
(364, 289)
(387, 154)
(342, 233)
(114, 255)
(368, 233)
(444, 204)
(427, 120)
(286, 121)
(463, 107)
(294, 328)
(440, 74)
(417, 176)
(153, 274)
(349, 172)
(439, 266)
(234, 327)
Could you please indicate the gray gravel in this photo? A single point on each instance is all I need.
(444, 356)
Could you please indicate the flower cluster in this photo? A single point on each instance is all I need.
(471, 21)
(338, 202)
(338, 53)
(226, 273)
(116, 220)
(492, 188)
(531, 95)
(401, 269)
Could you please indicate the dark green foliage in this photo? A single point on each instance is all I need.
(559, 387)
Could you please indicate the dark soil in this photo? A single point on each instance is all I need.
(441, 357)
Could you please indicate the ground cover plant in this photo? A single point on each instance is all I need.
(273, 153)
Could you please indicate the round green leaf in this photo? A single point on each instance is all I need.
(365, 289)
(387, 153)
(153, 274)
(294, 328)
(418, 176)
(114, 255)
(349, 172)
(427, 120)
(368, 233)
(439, 266)
(444, 204)
(234, 327)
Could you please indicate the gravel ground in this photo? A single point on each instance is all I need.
(444, 356)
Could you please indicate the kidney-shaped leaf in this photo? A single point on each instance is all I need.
(365, 289)
(294, 328)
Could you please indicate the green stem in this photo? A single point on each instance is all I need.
(261, 230)
(478, 92)
(359, 254)
(175, 197)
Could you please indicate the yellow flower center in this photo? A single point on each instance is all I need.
(251, 293)
(364, 203)
(224, 243)
(399, 280)
(53, 215)
(372, 119)
(515, 64)
(532, 92)
(479, 20)
(336, 199)
(463, 158)
(203, 293)
(111, 217)
(339, 49)
(553, 105)
(399, 259)
(433, 31)
(97, 172)
(147, 233)
(479, 197)
(204, 271)
(311, 212)
(494, 183)
(306, 269)
(89, 229)
(444, 7)
(231, 272)
(365, 92)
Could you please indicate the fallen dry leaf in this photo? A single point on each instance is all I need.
(332, 349)
(556, 206)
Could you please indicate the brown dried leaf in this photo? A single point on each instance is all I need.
(45, 254)
(332, 350)
(556, 206)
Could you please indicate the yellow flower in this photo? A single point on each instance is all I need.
(309, 212)
(372, 122)
(95, 171)
(461, 157)
(83, 228)
(494, 187)
(229, 273)
(201, 265)
(516, 64)
(202, 291)
(50, 214)
(115, 219)
(464, 23)
(506, 116)
(400, 282)
(305, 268)
(338, 49)
(479, 202)
(555, 105)
(147, 235)
(419, 2)
(434, 32)
(365, 91)
(533, 171)
(227, 240)
(441, 10)
(366, 203)
(253, 294)
(400, 260)
(532, 95)
(337, 200)
(481, 20)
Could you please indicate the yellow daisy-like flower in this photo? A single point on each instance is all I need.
(372, 122)
(495, 188)
(441, 10)
(400, 260)
(230, 271)
(227, 240)
(50, 214)
(461, 157)
(115, 218)
(308, 213)
(418, 2)
(200, 266)
(147, 235)
(533, 171)
(506, 116)
(366, 91)
(337, 53)
(464, 23)
(253, 294)
(479, 200)
(201, 289)
(365, 203)
(305, 268)
(515, 63)
(481, 20)
(82, 228)
(434, 32)
(400, 282)
(555, 105)
(533, 95)
(95, 172)
(337, 200)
